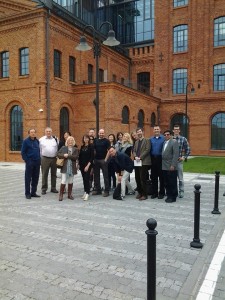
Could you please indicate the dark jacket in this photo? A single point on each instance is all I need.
(123, 162)
(86, 155)
(30, 149)
(73, 157)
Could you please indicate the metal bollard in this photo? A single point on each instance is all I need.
(151, 258)
(196, 241)
(216, 198)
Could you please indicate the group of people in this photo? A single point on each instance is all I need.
(158, 158)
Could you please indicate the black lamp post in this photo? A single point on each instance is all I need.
(83, 46)
(191, 87)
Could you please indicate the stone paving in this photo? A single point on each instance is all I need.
(97, 249)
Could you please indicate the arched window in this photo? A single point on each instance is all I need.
(16, 128)
(140, 118)
(125, 115)
(64, 120)
(218, 132)
(181, 120)
(153, 119)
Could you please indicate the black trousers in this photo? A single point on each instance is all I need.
(100, 164)
(170, 181)
(111, 174)
(32, 173)
(157, 175)
(141, 176)
(86, 179)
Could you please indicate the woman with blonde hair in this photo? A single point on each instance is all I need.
(69, 168)
(127, 144)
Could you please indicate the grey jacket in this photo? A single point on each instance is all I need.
(170, 155)
(73, 157)
(145, 151)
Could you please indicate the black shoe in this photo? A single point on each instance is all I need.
(121, 197)
(28, 196)
(35, 195)
(54, 191)
(43, 192)
(170, 200)
(154, 196)
(160, 196)
(105, 194)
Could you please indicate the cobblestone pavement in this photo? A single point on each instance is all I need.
(97, 249)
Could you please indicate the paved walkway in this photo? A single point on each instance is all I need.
(97, 249)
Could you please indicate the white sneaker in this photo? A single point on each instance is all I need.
(83, 196)
(86, 197)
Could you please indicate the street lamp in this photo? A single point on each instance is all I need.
(192, 90)
(83, 46)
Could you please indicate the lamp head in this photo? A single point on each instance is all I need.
(83, 46)
(111, 40)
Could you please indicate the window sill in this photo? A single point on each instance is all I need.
(58, 78)
(23, 76)
(181, 52)
(72, 82)
(4, 79)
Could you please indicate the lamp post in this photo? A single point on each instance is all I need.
(83, 46)
(191, 87)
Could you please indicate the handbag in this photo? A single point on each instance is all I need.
(59, 162)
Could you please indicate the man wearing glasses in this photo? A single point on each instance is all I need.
(170, 155)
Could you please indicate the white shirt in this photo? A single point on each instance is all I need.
(48, 146)
(165, 145)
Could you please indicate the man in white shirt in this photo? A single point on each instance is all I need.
(48, 150)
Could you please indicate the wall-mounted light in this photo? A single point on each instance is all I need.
(40, 110)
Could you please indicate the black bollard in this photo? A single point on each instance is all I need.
(216, 198)
(151, 258)
(196, 241)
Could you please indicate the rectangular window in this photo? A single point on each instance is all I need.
(179, 81)
(177, 3)
(24, 61)
(219, 32)
(219, 77)
(180, 38)
(57, 63)
(101, 75)
(90, 73)
(72, 68)
(114, 78)
(4, 64)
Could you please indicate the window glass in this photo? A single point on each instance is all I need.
(219, 31)
(180, 38)
(72, 67)
(179, 81)
(141, 119)
(16, 128)
(57, 63)
(143, 82)
(219, 77)
(177, 3)
(24, 61)
(125, 115)
(218, 132)
(64, 120)
(4, 64)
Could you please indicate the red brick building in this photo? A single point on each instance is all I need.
(44, 81)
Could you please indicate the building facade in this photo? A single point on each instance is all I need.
(170, 64)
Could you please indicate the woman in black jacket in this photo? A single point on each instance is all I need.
(86, 157)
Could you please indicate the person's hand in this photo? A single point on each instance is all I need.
(137, 158)
(180, 159)
(172, 168)
(66, 155)
(86, 169)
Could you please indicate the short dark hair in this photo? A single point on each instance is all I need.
(176, 125)
(31, 129)
(139, 128)
(169, 131)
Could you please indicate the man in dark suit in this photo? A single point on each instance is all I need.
(170, 155)
(142, 163)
